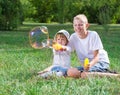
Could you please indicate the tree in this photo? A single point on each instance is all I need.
(67, 9)
(28, 10)
(10, 14)
(44, 10)
(106, 11)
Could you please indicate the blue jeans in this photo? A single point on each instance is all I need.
(80, 68)
(99, 67)
(64, 70)
(60, 69)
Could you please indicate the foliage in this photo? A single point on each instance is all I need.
(95, 8)
(10, 14)
(102, 12)
(13, 12)
(67, 9)
(63, 10)
(104, 17)
(44, 10)
(28, 10)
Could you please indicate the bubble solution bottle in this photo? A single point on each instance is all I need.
(86, 63)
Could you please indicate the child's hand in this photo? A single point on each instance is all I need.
(57, 47)
(63, 48)
(87, 67)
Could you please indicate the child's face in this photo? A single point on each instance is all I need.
(79, 26)
(61, 39)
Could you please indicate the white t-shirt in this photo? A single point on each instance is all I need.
(62, 58)
(85, 47)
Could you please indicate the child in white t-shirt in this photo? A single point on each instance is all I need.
(61, 56)
(87, 44)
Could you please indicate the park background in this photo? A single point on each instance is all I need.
(19, 62)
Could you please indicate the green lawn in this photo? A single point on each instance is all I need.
(19, 63)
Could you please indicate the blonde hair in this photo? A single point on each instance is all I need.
(81, 17)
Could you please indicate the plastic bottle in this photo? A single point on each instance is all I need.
(86, 63)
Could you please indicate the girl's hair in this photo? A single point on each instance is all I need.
(81, 17)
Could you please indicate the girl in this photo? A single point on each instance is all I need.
(61, 58)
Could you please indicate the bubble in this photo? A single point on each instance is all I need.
(39, 37)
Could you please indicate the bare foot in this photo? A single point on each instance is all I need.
(83, 74)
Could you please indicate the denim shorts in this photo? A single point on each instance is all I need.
(60, 69)
(80, 68)
(99, 67)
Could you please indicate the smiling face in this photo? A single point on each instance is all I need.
(61, 39)
(80, 25)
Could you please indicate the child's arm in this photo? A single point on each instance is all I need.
(67, 48)
(58, 47)
(95, 59)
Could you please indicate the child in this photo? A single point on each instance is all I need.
(61, 59)
(87, 44)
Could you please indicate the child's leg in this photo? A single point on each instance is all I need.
(60, 69)
(45, 70)
(80, 68)
(82, 72)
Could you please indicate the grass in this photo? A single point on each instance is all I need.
(19, 63)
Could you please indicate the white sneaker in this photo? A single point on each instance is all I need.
(59, 74)
(50, 74)
(47, 74)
